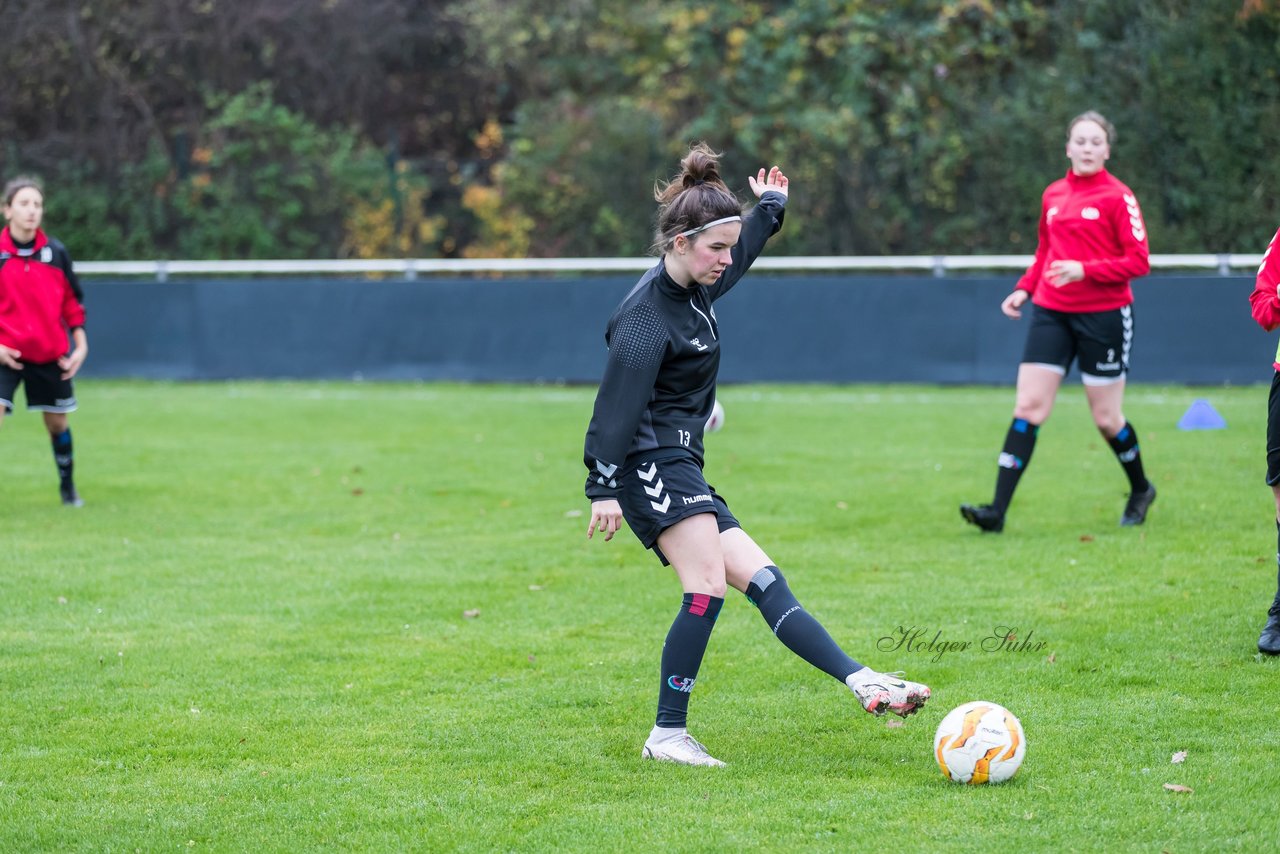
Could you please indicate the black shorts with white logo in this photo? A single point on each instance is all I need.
(1098, 341)
(1273, 432)
(659, 490)
(46, 389)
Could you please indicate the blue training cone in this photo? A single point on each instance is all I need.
(1201, 415)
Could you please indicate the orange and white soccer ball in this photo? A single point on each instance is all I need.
(978, 743)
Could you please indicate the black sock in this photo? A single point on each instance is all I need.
(1018, 445)
(682, 656)
(62, 454)
(1125, 444)
(796, 627)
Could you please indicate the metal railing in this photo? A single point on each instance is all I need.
(411, 268)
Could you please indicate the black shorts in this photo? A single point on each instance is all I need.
(1098, 341)
(45, 387)
(1273, 432)
(657, 493)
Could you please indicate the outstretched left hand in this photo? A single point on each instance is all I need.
(775, 181)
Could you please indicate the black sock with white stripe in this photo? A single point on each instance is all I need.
(682, 656)
(1125, 444)
(796, 627)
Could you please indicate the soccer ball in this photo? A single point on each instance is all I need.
(979, 742)
(716, 421)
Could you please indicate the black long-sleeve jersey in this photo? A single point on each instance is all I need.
(659, 382)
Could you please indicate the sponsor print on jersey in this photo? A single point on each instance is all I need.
(655, 491)
(1090, 213)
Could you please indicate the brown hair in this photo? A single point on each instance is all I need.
(693, 198)
(1098, 119)
(21, 182)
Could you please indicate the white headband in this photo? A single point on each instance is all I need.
(722, 221)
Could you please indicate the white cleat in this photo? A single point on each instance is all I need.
(676, 745)
(887, 692)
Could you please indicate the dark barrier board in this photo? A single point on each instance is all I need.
(774, 328)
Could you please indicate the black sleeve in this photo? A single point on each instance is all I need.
(761, 223)
(62, 260)
(637, 344)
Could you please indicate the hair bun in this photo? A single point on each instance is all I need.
(679, 210)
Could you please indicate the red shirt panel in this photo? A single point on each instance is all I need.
(1265, 301)
(37, 303)
(1094, 220)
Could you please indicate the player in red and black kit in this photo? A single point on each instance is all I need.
(40, 304)
(1092, 244)
(1265, 301)
(643, 448)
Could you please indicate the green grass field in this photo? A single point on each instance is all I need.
(256, 635)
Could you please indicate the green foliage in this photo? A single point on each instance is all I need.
(584, 174)
(269, 183)
(125, 216)
(394, 224)
(1200, 121)
(254, 635)
(537, 126)
(932, 126)
(262, 181)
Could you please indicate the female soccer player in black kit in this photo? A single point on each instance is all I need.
(644, 447)
(40, 303)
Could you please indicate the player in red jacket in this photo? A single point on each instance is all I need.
(40, 304)
(1265, 301)
(1092, 243)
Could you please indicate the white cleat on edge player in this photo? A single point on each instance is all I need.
(674, 744)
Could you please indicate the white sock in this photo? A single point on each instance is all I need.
(860, 676)
(666, 733)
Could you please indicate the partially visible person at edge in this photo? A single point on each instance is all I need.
(644, 450)
(1092, 244)
(1265, 301)
(40, 304)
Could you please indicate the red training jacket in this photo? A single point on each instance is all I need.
(1265, 301)
(38, 304)
(1094, 220)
